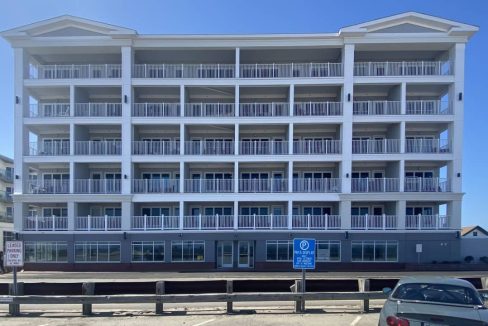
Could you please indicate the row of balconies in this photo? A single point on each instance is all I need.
(258, 70)
(250, 147)
(269, 109)
(268, 185)
(239, 222)
(7, 175)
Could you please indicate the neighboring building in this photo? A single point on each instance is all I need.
(474, 241)
(475, 231)
(206, 152)
(6, 206)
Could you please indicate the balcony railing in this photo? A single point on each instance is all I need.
(76, 71)
(317, 147)
(184, 70)
(375, 184)
(47, 187)
(427, 146)
(263, 147)
(53, 148)
(208, 222)
(209, 110)
(427, 222)
(156, 110)
(102, 147)
(98, 109)
(152, 223)
(97, 186)
(312, 109)
(209, 185)
(156, 147)
(98, 223)
(263, 185)
(376, 146)
(316, 222)
(209, 147)
(263, 222)
(376, 107)
(402, 68)
(324, 185)
(272, 109)
(147, 186)
(373, 222)
(49, 110)
(428, 107)
(413, 184)
(46, 223)
(291, 70)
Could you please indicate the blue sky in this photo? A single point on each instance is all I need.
(279, 16)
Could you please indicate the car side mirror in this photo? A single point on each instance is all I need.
(386, 290)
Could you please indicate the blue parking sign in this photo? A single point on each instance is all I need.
(304, 253)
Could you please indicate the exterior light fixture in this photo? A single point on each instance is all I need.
(125, 99)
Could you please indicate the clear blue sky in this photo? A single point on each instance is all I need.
(280, 16)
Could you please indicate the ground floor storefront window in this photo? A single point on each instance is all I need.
(97, 251)
(45, 252)
(147, 251)
(187, 251)
(374, 251)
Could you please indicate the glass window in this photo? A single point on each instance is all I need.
(368, 251)
(374, 251)
(442, 293)
(94, 251)
(279, 250)
(271, 250)
(357, 251)
(187, 251)
(45, 252)
(328, 250)
(147, 251)
(392, 251)
(380, 251)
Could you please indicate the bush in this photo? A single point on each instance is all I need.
(468, 259)
(484, 259)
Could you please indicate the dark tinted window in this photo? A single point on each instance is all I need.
(441, 293)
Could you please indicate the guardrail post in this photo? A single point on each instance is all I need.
(230, 289)
(160, 290)
(14, 308)
(363, 284)
(87, 289)
(297, 288)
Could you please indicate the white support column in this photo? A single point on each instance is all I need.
(290, 176)
(291, 99)
(72, 177)
(126, 215)
(182, 213)
(72, 100)
(236, 214)
(402, 136)
(401, 175)
(237, 92)
(126, 120)
(182, 139)
(290, 138)
(182, 177)
(182, 100)
(290, 214)
(72, 138)
(346, 130)
(400, 213)
(72, 214)
(236, 176)
(21, 135)
(454, 211)
(236, 139)
(238, 62)
(345, 213)
(20, 210)
(403, 98)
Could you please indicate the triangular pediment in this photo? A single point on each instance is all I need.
(70, 31)
(407, 28)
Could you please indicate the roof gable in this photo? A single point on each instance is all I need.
(468, 229)
(407, 28)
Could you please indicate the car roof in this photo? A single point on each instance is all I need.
(435, 280)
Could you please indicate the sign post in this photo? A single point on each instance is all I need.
(14, 257)
(303, 258)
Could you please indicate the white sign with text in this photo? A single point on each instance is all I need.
(14, 254)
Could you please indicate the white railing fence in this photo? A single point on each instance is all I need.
(264, 222)
(97, 186)
(290, 70)
(414, 184)
(373, 222)
(51, 148)
(156, 147)
(316, 222)
(183, 70)
(427, 222)
(145, 186)
(98, 109)
(403, 68)
(49, 110)
(76, 71)
(209, 110)
(156, 110)
(426, 145)
(208, 222)
(209, 185)
(151, 223)
(209, 147)
(428, 107)
(317, 185)
(102, 147)
(263, 185)
(376, 146)
(317, 108)
(45, 223)
(98, 223)
(47, 187)
(272, 109)
(263, 147)
(317, 147)
(375, 184)
(376, 107)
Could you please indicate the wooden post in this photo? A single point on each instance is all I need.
(14, 308)
(297, 288)
(363, 284)
(160, 290)
(87, 289)
(230, 289)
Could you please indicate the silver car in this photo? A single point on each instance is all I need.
(433, 301)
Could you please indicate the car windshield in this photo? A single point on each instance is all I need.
(441, 293)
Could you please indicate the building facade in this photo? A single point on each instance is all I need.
(208, 152)
(6, 203)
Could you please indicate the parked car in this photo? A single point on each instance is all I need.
(433, 301)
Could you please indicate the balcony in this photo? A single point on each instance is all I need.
(414, 184)
(313, 185)
(209, 110)
(209, 185)
(155, 223)
(75, 71)
(156, 147)
(291, 70)
(183, 71)
(402, 68)
(316, 222)
(47, 187)
(428, 107)
(317, 147)
(49, 110)
(364, 185)
(427, 222)
(376, 107)
(98, 223)
(262, 222)
(263, 185)
(208, 222)
(427, 146)
(272, 109)
(49, 148)
(314, 109)
(7, 175)
(101, 147)
(373, 222)
(97, 186)
(159, 186)
(46, 223)
(376, 146)
(98, 109)
(5, 197)
(263, 147)
(209, 147)
(160, 110)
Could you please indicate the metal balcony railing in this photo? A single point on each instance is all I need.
(52, 148)
(263, 185)
(45, 223)
(428, 146)
(271, 109)
(49, 110)
(76, 71)
(403, 68)
(147, 186)
(291, 70)
(209, 147)
(208, 222)
(375, 184)
(98, 223)
(209, 185)
(427, 222)
(414, 184)
(324, 185)
(98, 109)
(97, 186)
(263, 147)
(156, 147)
(209, 110)
(317, 147)
(183, 70)
(262, 222)
(47, 187)
(428, 107)
(376, 146)
(374, 222)
(376, 107)
(317, 109)
(102, 147)
(156, 110)
(316, 222)
(152, 223)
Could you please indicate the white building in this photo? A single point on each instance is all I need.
(203, 152)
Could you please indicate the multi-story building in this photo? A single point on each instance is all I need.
(204, 152)
(6, 191)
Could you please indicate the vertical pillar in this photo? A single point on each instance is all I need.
(182, 100)
(454, 214)
(126, 215)
(21, 135)
(290, 138)
(72, 176)
(401, 207)
(345, 212)
(236, 214)
(291, 99)
(72, 213)
(87, 289)
(237, 92)
(290, 214)
(290, 176)
(236, 176)
(363, 284)
(238, 62)
(401, 175)
(403, 98)
(230, 289)
(126, 168)
(236, 139)
(182, 139)
(182, 213)
(20, 210)
(347, 126)
(182, 177)
(160, 290)
(402, 136)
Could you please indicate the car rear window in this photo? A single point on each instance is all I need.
(441, 293)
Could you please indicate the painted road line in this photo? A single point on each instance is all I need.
(205, 322)
(355, 321)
